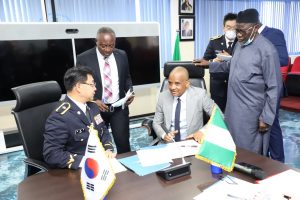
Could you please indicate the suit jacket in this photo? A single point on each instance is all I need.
(90, 60)
(276, 37)
(66, 134)
(197, 102)
(215, 46)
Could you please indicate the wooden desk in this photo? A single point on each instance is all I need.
(64, 184)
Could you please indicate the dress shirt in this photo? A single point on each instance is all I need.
(114, 75)
(261, 29)
(183, 122)
(227, 42)
(82, 106)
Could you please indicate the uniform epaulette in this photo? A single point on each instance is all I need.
(216, 37)
(63, 108)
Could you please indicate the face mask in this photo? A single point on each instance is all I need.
(250, 40)
(230, 35)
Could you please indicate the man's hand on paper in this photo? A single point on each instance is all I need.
(197, 136)
(169, 136)
(102, 106)
(129, 100)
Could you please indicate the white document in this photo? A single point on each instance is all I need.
(122, 101)
(183, 148)
(286, 183)
(231, 188)
(165, 153)
(155, 156)
(116, 165)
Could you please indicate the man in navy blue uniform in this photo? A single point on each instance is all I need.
(219, 44)
(276, 37)
(66, 131)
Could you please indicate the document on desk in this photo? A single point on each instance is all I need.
(116, 165)
(133, 163)
(283, 184)
(231, 188)
(183, 148)
(166, 152)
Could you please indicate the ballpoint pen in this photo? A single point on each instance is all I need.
(188, 146)
(236, 197)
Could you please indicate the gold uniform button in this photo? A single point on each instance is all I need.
(81, 140)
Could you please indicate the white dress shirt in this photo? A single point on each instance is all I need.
(82, 106)
(114, 75)
(261, 29)
(183, 122)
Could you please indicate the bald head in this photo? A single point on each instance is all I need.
(182, 71)
(178, 81)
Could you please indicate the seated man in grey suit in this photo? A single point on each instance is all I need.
(179, 110)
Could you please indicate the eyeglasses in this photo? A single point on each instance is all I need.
(90, 84)
(243, 31)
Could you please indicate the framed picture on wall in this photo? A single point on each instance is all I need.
(186, 7)
(187, 28)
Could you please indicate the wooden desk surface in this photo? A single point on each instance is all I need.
(64, 184)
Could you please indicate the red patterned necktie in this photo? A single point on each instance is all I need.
(107, 82)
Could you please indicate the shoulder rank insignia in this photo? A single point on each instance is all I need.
(63, 108)
(215, 37)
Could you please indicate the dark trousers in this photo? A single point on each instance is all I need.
(118, 120)
(276, 150)
(218, 89)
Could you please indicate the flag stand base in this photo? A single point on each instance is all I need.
(176, 171)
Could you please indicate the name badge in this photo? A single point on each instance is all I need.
(98, 119)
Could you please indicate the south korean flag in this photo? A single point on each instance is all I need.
(97, 176)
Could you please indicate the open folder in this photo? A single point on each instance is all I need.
(133, 163)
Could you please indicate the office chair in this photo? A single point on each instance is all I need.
(292, 101)
(35, 102)
(296, 65)
(196, 75)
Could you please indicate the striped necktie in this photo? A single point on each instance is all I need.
(107, 82)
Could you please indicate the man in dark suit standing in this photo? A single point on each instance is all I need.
(276, 37)
(220, 44)
(111, 71)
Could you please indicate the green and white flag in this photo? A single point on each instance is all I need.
(218, 147)
(176, 53)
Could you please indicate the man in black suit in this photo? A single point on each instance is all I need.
(67, 128)
(219, 44)
(111, 71)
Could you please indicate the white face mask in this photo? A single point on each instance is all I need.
(250, 40)
(230, 35)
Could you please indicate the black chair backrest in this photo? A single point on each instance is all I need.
(35, 102)
(196, 74)
(293, 84)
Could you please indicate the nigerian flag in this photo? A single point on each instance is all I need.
(176, 53)
(217, 146)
